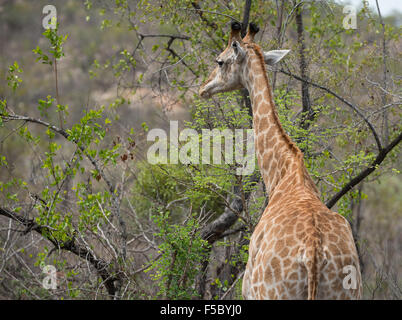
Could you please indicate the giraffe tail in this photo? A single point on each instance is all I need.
(311, 266)
(314, 258)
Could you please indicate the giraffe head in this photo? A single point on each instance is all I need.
(227, 76)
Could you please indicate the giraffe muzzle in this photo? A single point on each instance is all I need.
(204, 93)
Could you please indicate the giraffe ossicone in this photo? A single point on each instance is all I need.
(299, 248)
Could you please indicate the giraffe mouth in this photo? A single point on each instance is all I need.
(204, 93)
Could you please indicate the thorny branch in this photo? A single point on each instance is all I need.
(71, 245)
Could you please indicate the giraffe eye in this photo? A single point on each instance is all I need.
(219, 62)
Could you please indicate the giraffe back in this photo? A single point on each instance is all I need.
(300, 249)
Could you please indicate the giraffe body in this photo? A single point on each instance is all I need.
(299, 249)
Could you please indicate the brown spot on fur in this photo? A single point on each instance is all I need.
(263, 291)
(263, 125)
(276, 266)
(284, 252)
(294, 276)
(334, 250)
(290, 241)
(331, 276)
(262, 108)
(268, 274)
(279, 245)
(287, 261)
(333, 237)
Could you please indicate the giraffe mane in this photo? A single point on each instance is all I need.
(291, 144)
(293, 147)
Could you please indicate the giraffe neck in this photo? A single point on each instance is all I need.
(279, 159)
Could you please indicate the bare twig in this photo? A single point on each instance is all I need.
(70, 245)
(233, 285)
(349, 104)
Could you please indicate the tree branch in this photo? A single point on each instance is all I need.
(171, 36)
(200, 12)
(308, 113)
(69, 245)
(246, 17)
(373, 166)
(349, 104)
(384, 77)
(63, 133)
(175, 55)
(216, 228)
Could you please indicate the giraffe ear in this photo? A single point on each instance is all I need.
(238, 50)
(274, 56)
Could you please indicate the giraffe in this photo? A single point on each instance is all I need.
(299, 249)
